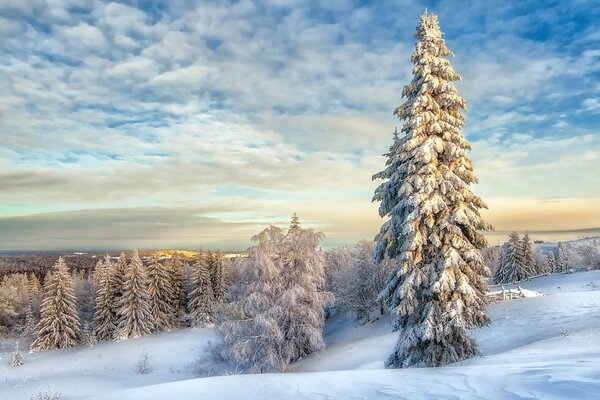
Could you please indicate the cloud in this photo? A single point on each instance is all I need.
(183, 104)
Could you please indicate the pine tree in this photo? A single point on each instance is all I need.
(561, 264)
(295, 222)
(217, 276)
(135, 317)
(59, 324)
(515, 271)
(87, 336)
(29, 328)
(105, 317)
(551, 262)
(17, 358)
(437, 291)
(177, 302)
(161, 293)
(117, 273)
(201, 298)
(502, 273)
(34, 285)
(528, 262)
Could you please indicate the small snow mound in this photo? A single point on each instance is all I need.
(530, 293)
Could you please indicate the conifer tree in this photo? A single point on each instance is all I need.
(502, 273)
(29, 322)
(217, 276)
(177, 302)
(59, 323)
(135, 317)
(514, 259)
(17, 358)
(561, 264)
(528, 261)
(105, 318)
(551, 262)
(161, 293)
(117, 278)
(295, 222)
(437, 291)
(201, 298)
(34, 285)
(87, 336)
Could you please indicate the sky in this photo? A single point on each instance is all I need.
(198, 123)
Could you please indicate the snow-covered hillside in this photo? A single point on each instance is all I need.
(539, 347)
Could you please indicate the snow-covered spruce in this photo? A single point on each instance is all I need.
(201, 299)
(16, 359)
(217, 275)
(551, 262)
(437, 291)
(161, 293)
(561, 263)
(177, 301)
(135, 318)
(105, 318)
(59, 323)
(529, 266)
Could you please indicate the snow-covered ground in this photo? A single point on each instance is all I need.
(543, 347)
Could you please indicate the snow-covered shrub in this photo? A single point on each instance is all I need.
(275, 312)
(355, 278)
(45, 394)
(143, 365)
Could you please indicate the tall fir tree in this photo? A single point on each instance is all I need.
(201, 299)
(105, 318)
(59, 323)
(551, 263)
(217, 276)
(117, 273)
(295, 222)
(561, 263)
(502, 273)
(177, 302)
(529, 266)
(437, 291)
(135, 317)
(161, 293)
(514, 259)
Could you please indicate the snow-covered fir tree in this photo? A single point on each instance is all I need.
(502, 274)
(59, 323)
(295, 222)
(105, 316)
(201, 299)
(516, 271)
(438, 290)
(561, 263)
(17, 358)
(30, 323)
(217, 275)
(135, 317)
(117, 278)
(87, 336)
(527, 257)
(551, 263)
(177, 302)
(161, 294)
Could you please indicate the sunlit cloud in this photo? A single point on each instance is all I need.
(241, 113)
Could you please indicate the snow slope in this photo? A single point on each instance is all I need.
(526, 355)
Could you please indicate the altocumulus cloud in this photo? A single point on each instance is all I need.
(181, 124)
